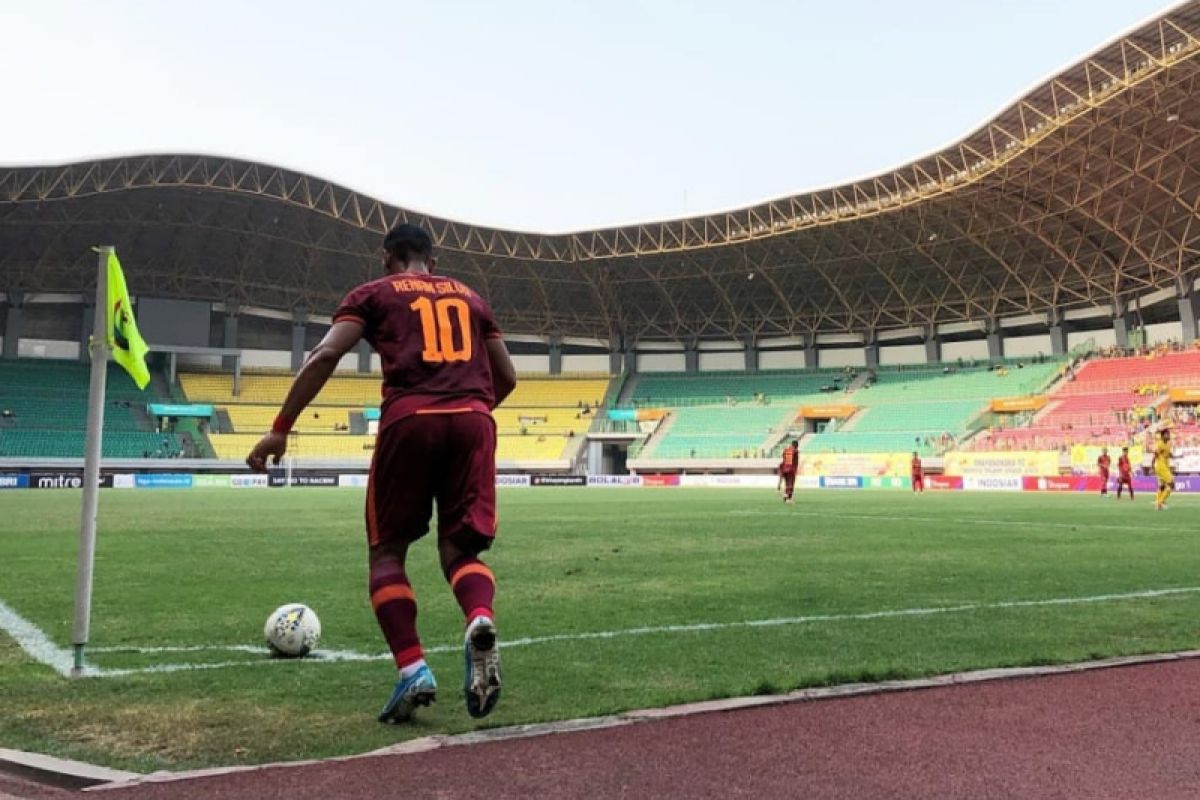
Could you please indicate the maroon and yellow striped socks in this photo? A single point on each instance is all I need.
(396, 610)
(474, 587)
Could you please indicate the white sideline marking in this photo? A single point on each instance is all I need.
(40, 648)
(34, 641)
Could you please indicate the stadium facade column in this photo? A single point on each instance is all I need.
(691, 356)
(1189, 311)
(230, 338)
(87, 319)
(750, 350)
(299, 322)
(364, 357)
(811, 357)
(12, 324)
(995, 341)
(556, 354)
(615, 357)
(1058, 333)
(871, 349)
(1121, 324)
(933, 345)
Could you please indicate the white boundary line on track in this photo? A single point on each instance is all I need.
(40, 648)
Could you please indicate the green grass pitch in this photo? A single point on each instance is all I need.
(203, 568)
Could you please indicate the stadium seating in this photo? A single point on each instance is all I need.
(675, 389)
(1107, 402)
(536, 423)
(47, 404)
(721, 431)
(310, 447)
(926, 410)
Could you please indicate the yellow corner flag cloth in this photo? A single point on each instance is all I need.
(128, 348)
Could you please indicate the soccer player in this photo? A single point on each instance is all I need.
(445, 367)
(787, 469)
(1103, 462)
(1162, 470)
(918, 474)
(1124, 473)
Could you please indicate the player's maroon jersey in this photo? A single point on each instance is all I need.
(789, 460)
(430, 333)
(1124, 467)
(1103, 462)
(917, 470)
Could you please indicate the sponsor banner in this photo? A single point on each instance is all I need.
(730, 481)
(887, 482)
(204, 481)
(1185, 395)
(1183, 483)
(943, 482)
(252, 480)
(1016, 462)
(371, 414)
(808, 482)
(660, 480)
(868, 464)
(992, 483)
(614, 480)
(64, 480)
(171, 410)
(512, 480)
(558, 480)
(841, 482)
(832, 411)
(1062, 483)
(163, 480)
(123, 482)
(1187, 459)
(1083, 457)
(14, 480)
(356, 481)
(302, 479)
(1013, 404)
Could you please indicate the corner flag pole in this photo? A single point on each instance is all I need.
(91, 465)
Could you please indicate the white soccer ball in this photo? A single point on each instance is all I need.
(292, 630)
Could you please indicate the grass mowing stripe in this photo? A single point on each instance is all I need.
(341, 656)
(1015, 523)
(184, 569)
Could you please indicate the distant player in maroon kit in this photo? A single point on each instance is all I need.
(445, 367)
(918, 474)
(1103, 463)
(787, 469)
(1124, 473)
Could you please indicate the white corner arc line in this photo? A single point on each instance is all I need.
(34, 641)
(45, 652)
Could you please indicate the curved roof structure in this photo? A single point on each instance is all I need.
(1082, 193)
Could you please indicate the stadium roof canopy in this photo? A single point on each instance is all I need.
(1084, 192)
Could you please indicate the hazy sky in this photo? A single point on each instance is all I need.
(543, 116)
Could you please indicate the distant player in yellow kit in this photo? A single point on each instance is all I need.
(1162, 469)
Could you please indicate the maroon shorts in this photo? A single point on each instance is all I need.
(447, 457)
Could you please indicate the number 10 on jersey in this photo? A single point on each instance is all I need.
(438, 322)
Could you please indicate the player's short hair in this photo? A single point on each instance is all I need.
(796, 442)
(407, 242)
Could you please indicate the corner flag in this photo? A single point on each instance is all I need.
(128, 348)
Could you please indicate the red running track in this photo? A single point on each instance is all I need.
(1128, 732)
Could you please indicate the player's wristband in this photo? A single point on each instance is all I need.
(282, 424)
